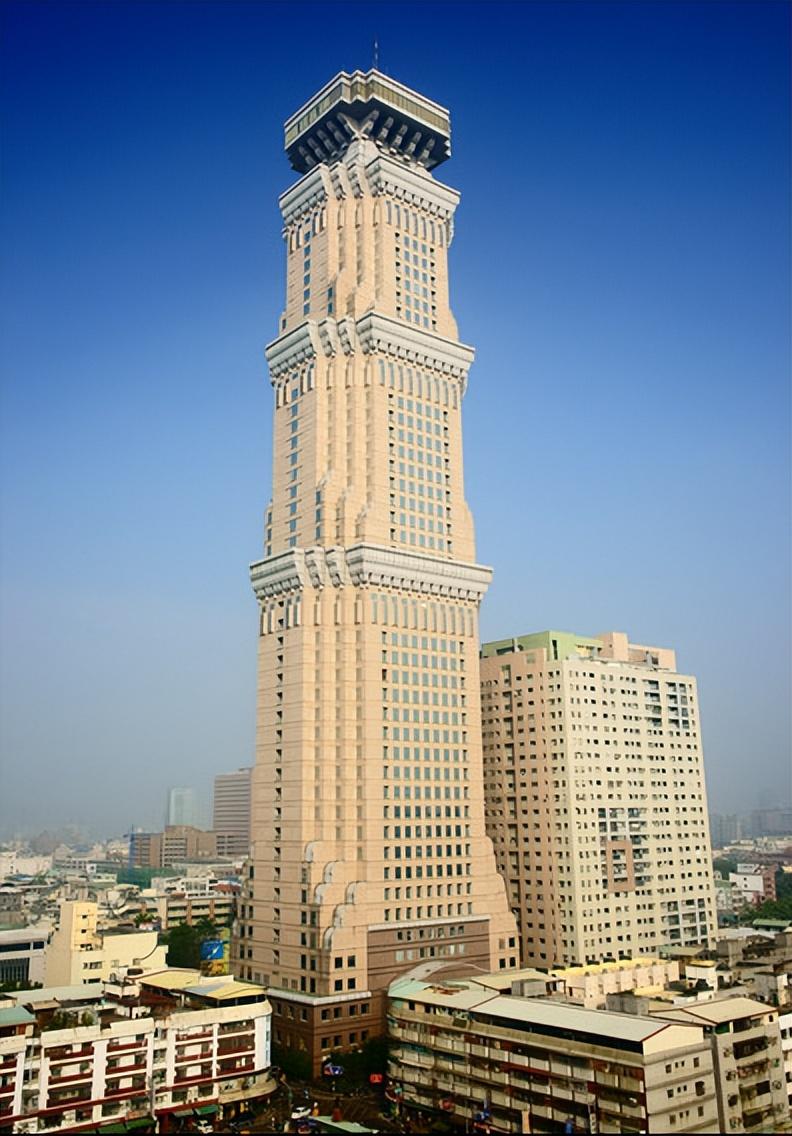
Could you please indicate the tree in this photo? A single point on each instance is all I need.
(184, 942)
(724, 865)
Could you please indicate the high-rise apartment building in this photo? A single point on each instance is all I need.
(231, 812)
(594, 781)
(368, 809)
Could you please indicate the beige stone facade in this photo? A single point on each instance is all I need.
(370, 851)
(596, 801)
(79, 952)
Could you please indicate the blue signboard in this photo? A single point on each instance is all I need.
(211, 949)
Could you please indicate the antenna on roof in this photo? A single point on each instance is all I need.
(375, 55)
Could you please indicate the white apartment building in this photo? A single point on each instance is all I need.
(534, 1065)
(79, 953)
(596, 803)
(180, 1046)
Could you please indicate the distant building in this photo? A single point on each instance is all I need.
(595, 796)
(231, 812)
(163, 849)
(724, 829)
(769, 822)
(188, 900)
(79, 952)
(22, 955)
(14, 863)
(159, 1051)
(182, 808)
(753, 883)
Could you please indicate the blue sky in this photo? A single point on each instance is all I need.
(621, 263)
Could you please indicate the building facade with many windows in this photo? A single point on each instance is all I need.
(370, 850)
(596, 803)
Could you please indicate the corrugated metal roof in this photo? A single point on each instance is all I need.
(539, 1012)
(15, 1016)
(719, 1010)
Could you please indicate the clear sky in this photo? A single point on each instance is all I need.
(621, 263)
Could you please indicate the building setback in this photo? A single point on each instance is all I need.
(231, 813)
(535, 1065)
(368, 812)
(596, 803)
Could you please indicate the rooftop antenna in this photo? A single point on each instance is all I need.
(375, 59)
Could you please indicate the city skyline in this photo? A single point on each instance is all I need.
(635, 335)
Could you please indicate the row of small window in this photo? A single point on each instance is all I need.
(413, 953)
(338, 1041)
(396, 915)
(420, 830)
(406, 852)
(399, 773)
(426, 811)
(405, 753)
(446, 793)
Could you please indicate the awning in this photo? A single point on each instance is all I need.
(140, 1122)
(108, 1128)
(206, 1110)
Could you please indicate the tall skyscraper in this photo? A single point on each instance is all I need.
(231, 812)
(594, 780)
(182, 807)
(370, 852)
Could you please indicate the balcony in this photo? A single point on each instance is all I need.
(205, 1052)
(756, 1069)
(120, 1046)
(248, 1045)
(69, 1078)
(124, 1070)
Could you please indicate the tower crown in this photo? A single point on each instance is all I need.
(368, 105)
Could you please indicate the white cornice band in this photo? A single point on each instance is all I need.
(305, 194)
(378, 333)
(372, 333)
(368, 566)
(385, 175)
(362, 163)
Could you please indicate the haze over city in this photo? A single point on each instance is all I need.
(627, 419)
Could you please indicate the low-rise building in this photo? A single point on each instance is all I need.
(159, 1051)
(79, 952)
(748, 1060)
(785, 1026)
(217, 906)
(590, 985)
(22, 955)
(538, 1065)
